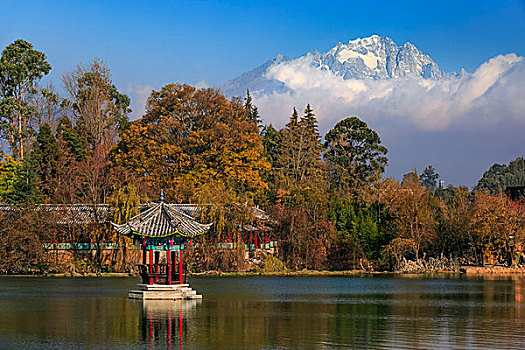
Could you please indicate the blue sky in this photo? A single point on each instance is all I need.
(150, 44)
(212, 41)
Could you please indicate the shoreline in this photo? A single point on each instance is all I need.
(464, 270)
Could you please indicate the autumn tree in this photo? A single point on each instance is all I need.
(498, 226)
(72, 150)
(414, 211)
(21, 67)
(47, 104)
(454, 235)
(99, 108)
(192, 137)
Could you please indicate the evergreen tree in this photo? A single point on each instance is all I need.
(21, 67)
(428, 178)
(45, 155)
(70, 136)
(300, 149)
(270, 143)
(313, 145)
(252, 112)
(7, 175)
(24, 189)
(355, 155)
(500, 176)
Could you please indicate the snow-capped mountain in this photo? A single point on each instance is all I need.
(374, 57)
(256, 80)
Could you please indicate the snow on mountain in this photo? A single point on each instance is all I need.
(374, 57)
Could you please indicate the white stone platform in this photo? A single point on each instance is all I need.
(164, 292)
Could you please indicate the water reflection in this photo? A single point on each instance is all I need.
(380, 312)
(163, 322)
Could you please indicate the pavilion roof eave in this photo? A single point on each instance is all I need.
(162, 221)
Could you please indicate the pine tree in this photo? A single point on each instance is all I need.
(312, 141)
(270, 143)
(429, 178)
(252, 112)
(45, 156)
(300, 152)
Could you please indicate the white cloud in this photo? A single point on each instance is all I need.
(138, 94)
(492, 94)
(459, 125)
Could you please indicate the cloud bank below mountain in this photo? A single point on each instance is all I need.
(482, 112)
(492, 94)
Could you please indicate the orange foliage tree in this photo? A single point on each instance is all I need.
(499, 226)
(414, 212)
(190, 137)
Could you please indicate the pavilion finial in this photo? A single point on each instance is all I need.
(161, 196)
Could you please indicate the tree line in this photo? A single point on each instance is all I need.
(331, 206)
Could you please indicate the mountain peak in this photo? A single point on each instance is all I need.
(373, 57)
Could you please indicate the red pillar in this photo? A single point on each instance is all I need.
(168, 260)
(256, 240)
(180, 267)
(151, 266)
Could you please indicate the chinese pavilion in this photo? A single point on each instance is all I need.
(162, 231)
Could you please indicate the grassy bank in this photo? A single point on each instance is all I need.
(466, 270)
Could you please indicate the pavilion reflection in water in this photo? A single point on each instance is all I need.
(162, 231)
(164, 322)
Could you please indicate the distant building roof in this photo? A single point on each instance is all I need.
(79, 214)
(71, 213)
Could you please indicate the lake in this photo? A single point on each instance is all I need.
(375, 312)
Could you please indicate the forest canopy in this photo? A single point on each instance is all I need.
(331, 206)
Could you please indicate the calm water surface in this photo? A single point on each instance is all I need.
(375, 312)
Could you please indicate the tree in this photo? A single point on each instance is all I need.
(498, 226)
(355, 154)
(191, 137)
(74, 142)
(300, 152)
(414, 212)
(100, 109)
(454, 233)
(25, 185)
(252, 112)
(270, 143)
(428, 178)
(21, 67)
(500, 176)
(47, 106)
(7, 175)
(45, 155)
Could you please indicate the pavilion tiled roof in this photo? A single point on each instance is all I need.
(163, 220)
